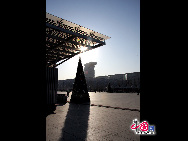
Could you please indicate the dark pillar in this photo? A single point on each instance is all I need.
(52, 84)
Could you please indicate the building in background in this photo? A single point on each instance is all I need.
(119, 82)
(101, 83)
(89, 69)
(65, 85)
(133, 79)
(127, 82)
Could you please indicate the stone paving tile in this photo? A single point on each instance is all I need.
(123, 100)
(72, 122)
(112, 126)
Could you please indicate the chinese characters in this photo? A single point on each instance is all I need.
(142, 128)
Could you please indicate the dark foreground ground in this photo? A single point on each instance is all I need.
(95, 121)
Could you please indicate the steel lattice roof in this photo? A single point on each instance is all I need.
(64, 40)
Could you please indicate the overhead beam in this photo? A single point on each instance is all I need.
(73, 33)
(60, 43)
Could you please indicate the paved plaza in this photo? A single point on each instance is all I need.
(108, 117)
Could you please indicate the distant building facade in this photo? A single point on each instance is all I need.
(133, 79)
(101, 83)
(118, 82)
(89, 69)
(65, 85)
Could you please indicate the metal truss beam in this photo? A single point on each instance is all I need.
(73, 33)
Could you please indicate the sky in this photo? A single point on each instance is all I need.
(118, 19)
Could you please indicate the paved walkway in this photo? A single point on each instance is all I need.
(95, 122)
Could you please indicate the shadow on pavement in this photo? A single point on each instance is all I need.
(76, 123)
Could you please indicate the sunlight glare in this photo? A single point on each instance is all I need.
(83, 49)
(89, 56)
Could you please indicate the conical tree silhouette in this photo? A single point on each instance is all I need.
(80, 93)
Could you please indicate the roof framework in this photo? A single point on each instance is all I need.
(65, 39)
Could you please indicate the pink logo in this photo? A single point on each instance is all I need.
(144, 127)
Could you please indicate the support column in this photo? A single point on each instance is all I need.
(52, 84)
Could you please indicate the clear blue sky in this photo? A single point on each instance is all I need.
(118, 19)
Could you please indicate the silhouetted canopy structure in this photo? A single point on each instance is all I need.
(65, 39)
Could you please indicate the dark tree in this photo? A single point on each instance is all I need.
(80, 92)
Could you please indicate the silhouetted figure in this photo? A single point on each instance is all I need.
(138, 91)
(109, 88)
